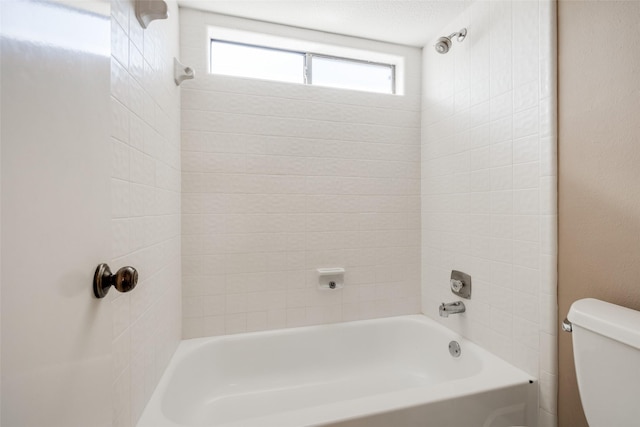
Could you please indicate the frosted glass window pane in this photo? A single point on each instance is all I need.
(342, 73)
(255, 62)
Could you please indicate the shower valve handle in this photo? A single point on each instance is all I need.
(124, 280)
(456, 285)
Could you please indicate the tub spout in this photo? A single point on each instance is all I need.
(452, 308)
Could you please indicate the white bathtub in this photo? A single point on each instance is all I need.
(383, 372)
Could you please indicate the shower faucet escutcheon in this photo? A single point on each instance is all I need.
(460, 284)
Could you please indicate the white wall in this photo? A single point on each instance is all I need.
(145, 185)
(489, 183)
(280, 179)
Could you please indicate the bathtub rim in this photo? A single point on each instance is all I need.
(495, 371)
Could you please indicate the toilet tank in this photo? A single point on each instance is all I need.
(606, 348)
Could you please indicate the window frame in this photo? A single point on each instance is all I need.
(307, 69)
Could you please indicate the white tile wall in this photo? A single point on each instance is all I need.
(280, 179)
(489, 183)
(145, 204)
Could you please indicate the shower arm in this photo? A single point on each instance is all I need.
(460, 35)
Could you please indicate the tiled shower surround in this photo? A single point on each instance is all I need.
(489, 183)
(280, 179)
(145, 204)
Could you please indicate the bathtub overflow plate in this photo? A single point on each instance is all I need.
(454, 349)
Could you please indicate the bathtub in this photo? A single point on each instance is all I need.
(385, 372)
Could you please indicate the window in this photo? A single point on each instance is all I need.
(246, 60)
(351, 74)
(242, 60)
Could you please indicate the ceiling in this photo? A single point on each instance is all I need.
(407, 22)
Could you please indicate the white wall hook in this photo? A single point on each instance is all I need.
(150, 10)
(181, 72)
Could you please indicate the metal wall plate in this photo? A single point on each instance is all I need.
(454, 349)
(461, 284)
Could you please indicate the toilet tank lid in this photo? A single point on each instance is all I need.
(613, 321)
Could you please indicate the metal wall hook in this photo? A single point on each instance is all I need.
(124, 280)
(181, 72)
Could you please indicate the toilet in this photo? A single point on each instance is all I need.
(606, 348)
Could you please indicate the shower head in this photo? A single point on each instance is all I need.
(444, 43)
